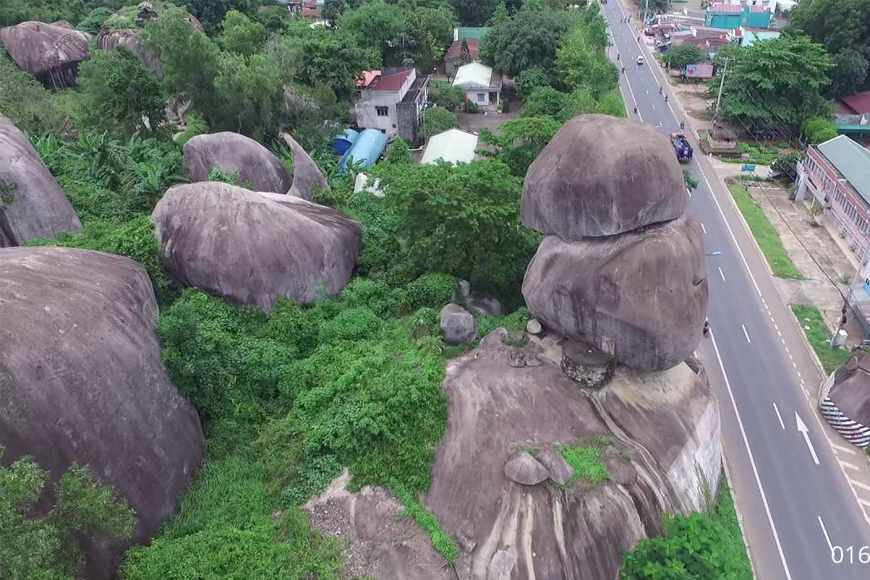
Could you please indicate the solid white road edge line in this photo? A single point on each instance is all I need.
(827, 537)
(751, 460)
(778, 416)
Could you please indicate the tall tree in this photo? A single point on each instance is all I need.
(465, 53)
(684, 55)
(528, 38)
(838, 25)
(520, 141)
(120, 93)
(240, 34)
(776, 81)
(849, 74)
(373, 25)
(474, 12)
(212, 12)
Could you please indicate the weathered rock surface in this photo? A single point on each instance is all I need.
(851, 388)
(666, 422)
(640, 296)
(32, 204)
(306, 174)
(50, 52)
(483, 304)
(458, 325)
(253, 247)
(601, 175)
(82, 380)
(233, 153)
(524, 469)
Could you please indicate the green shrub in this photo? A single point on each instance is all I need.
(442, 543)
(785, 166)
(819, 129)
(94, 20)
(433, 290)
(194, 125)
(352, 324)
(585, 457)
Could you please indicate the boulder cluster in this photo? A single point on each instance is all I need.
(622, 268)
(32, 204)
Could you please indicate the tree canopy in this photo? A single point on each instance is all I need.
(526, 39)
(776, 81)
(684, 55)
(437, 120)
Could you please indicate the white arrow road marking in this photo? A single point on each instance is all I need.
(778, 416)
(802, 428)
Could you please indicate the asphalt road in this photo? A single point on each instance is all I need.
(796, 511)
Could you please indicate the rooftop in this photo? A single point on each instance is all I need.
(851, 160)
(476, 33)
(393, 82)
(456, 49)
(476, 75)
(453, 146)
(415, 89)
(857, 104)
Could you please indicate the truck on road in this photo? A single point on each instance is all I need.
(681, 147)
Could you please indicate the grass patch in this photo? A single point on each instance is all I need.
(585, 457)
(440, 540)
(764, 233)
(731, 539)
(759, 155)
(818, 335)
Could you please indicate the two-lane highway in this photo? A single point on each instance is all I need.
(796, 505)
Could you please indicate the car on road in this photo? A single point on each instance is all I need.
(640, 60)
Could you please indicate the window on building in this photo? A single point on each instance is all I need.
(383, 111)
(481, 97)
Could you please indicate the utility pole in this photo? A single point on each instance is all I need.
(645, 10)
(721, 84)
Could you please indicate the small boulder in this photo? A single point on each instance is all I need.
(524, 469)
(306, 174)
(234, 153)
(458, 325)
(32, 204)
(600, 176)
(253, 248)
(483, 305)
(49, 52)
(640, 296)
(560, 471)
(534, 327)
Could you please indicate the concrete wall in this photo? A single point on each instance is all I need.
(366, 112)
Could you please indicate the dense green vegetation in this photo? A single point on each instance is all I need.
(813, 326)
(585, 457)
(46, 546)
(698, 547)
(764, 233)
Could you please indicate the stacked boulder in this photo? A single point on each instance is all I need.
(253, 247)
(622, 269)
(845, 400)
(32, 204)
(50, 52)
(82, 381)
(237, 155)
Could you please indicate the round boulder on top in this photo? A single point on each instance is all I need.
(252, 247)
(601, 175)
(82, 380)
(49, 52)
(32, 204)
(639, 296)
(234, 153)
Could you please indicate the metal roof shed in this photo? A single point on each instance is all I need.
(851, 160)
(473, 75)
(453, 146)
(366, 150)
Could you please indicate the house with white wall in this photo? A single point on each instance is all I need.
(481, 85)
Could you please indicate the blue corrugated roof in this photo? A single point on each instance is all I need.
(366, 150)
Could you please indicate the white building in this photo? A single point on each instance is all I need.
(392, 103)
(453, 146)
(482, 85)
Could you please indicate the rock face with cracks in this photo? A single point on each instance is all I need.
(640, 296)
(234, 153)
(32, 204)
(600, 176)
(82, 380)
(306, 174)
(50, 52)
(662, 454)
(252, 247)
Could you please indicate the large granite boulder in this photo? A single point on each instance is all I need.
(640, 296)
(82, 380)
(306, 175)
(601, 175)
(458, 325)
(656, 434)
(252, 247)
(32, 204)
(50, 52)
(233, 153)
(845, 401)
